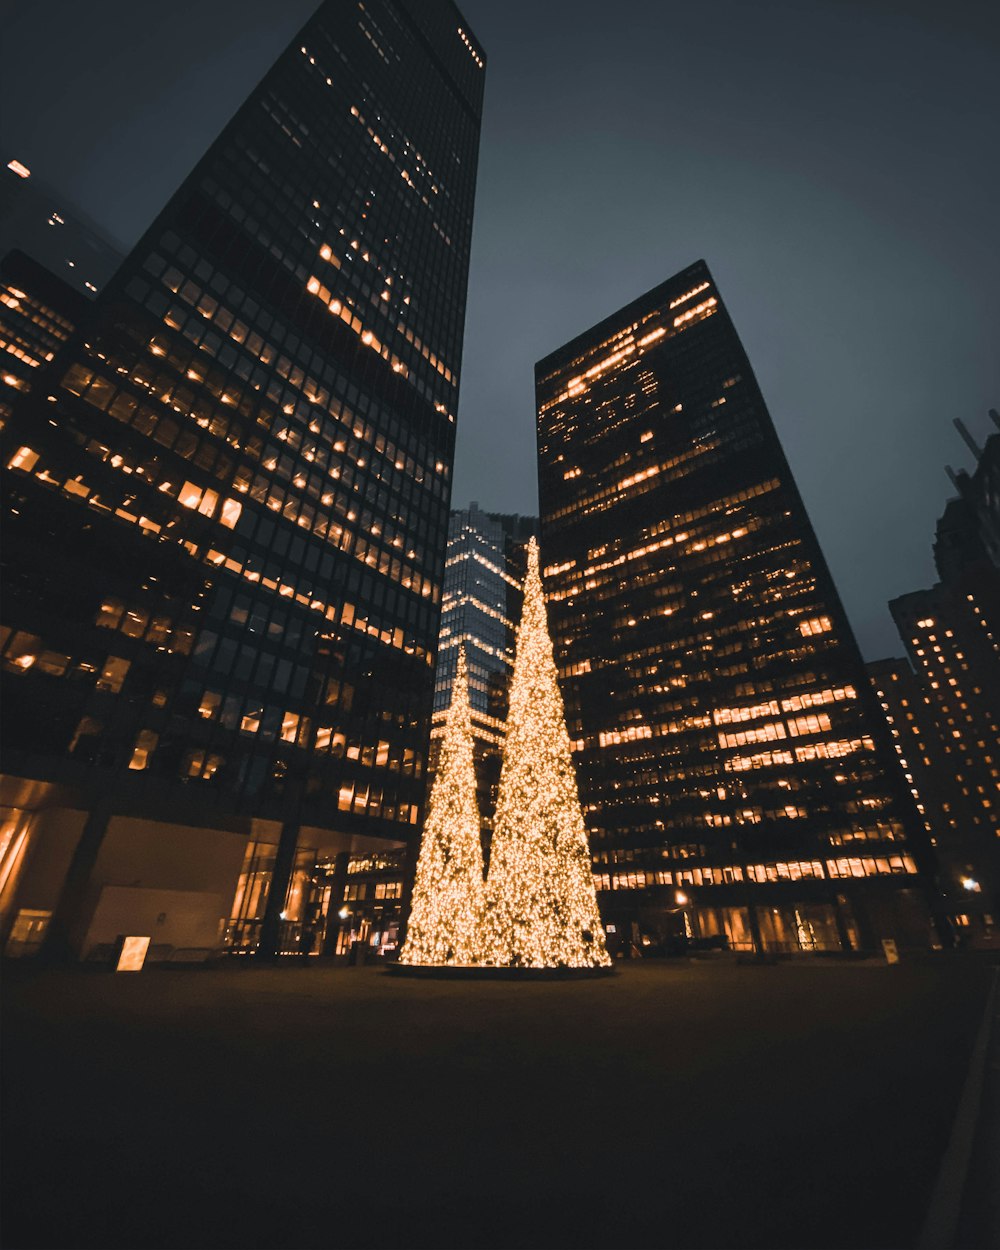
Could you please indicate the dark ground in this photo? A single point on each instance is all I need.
(674, 1105)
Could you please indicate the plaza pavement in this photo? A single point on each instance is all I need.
(677, 1104)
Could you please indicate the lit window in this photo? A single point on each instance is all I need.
(24, 458)
(16, 167)
(113, 674)
(231, 510)
(145, 745)
(110, 613)
(817, 625)
(190, 495)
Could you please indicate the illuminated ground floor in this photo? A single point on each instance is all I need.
(769, 917)
(194, 887)
(676, 1104)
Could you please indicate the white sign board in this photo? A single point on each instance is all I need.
(133, 954)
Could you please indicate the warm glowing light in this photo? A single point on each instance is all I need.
(16, 167)
(446, 914)
(133, 954)
(24, 458)
(700, 311)
(541, 906)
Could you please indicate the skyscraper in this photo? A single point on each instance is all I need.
(41, 222)
(38, 312)
(228, 506)
(734, 768)
(951, 633)
(963, 849)
(481, 607)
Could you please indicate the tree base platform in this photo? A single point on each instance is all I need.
(478, 972)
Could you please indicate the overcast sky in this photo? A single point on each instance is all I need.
(834, 162)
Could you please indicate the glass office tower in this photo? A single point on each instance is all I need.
(951, 632)
(735, 771)
(481, 608)
(227, 505)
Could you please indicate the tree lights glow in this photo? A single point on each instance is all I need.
(541, 906)
(446, 913)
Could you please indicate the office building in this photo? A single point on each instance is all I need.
(53, 262)
(38, 313)
(481, 609)
(951, 633)
(227, 508)
(42, 222)
(737, 776)
(965, 859)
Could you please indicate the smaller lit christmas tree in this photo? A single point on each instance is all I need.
(541, 906)
(446, 912)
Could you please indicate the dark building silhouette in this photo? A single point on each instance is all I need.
(38, 313)
(951, 633)
(39, 220)
(53, 262)
(227, 507)
(736, 774)
(483, 579)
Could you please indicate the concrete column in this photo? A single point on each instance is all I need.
(284, 866)
(69, 916)
(337, 887)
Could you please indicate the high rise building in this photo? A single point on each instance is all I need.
(966, 860)
(227, 507)
(737, 776)
(951, 633)
(42, 222)
(38, 313)
(53, 261)
(481, 608)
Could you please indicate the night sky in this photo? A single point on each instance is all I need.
(834, 163)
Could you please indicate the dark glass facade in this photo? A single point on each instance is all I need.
(481, 608)
(736, 775)
(38, 313)
(227, 503)
(40, 221)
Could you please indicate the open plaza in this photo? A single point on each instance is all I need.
(681, 1103)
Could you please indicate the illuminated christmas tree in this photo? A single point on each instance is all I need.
(446, 912)
(541, 907)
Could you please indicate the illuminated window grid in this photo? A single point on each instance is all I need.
(202, 406)
(766, 614)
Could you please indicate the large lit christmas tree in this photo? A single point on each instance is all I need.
(447, 907)
(541, 907)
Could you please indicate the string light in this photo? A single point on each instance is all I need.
(541, 906)
(446, 913)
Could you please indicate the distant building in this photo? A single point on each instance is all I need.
(926, 757)
(737, 776)
(53, 262)
(226, 511)
(481, 607)
(38, 312)
(38, 220)
(952, 635)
